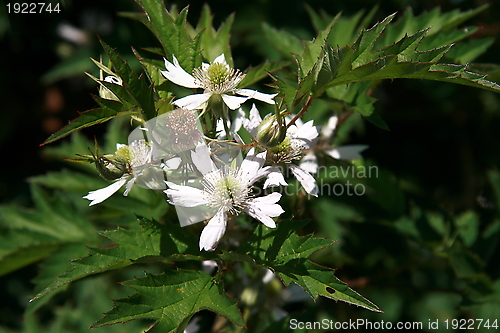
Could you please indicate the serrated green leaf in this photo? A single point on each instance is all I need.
(313, 49)
(286, 253)
(455, 74)
(58, 261)
(345, 28)
(68, 180)
(283, 41)
(143, 95)
(86, 119)
(29, 235)
(172, 33)
(467, 51)
(214, 42)
(154, 242)
(354, 96)
(320, 281)
(363, 46)
(171, 297)
(286, 91)
(257, 73)
(441, 24)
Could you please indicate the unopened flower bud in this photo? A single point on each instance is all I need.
(111, 166)
(270, 133)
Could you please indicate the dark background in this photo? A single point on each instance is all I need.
(443, 137)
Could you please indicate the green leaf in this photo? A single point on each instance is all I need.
(355, 97)
(345, 29)
(58, 261)
(172, 33)
(171, 297)
(284, 41)
(28, 235)
(442, 25)
(71, 66)
(255, 74)
(154, 242)
(313, 49)
(86, 119)
(153, 69)
(137, 87)
(467, 51)
(468, 227)
(69, 181)
(214, 42)
(363, 46)
(286, 253)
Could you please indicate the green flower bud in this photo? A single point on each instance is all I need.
(111, 166)
(270, 133)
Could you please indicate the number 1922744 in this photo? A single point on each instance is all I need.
(33, 8)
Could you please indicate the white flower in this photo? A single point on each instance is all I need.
(216, 78)
(347, 152)
(138, 157)
(299, 137)
(226, 191)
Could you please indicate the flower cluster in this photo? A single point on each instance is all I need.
(204, 167)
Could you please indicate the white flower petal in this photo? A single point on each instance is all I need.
(268, 276)
(172, 163)
(176, 74)
(330, 127)
(306, 179)
(238, 121)
(233, 102)
(185, 196)
(308, 132)
(102, 194)
(349, 152)
(233, 126)
(252, 123)
(220, 59)
(298, 122)
(266, 98)
(263, 208)
(251, 165)
(192, 102)
(213, 231)
(201, 159)
(129, 185)
(309, 163)
(208, 266)
(274, 178)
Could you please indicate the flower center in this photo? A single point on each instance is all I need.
(225, 191)
(181, 129)
(285, 152)
(218, 73)
(218, 78)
